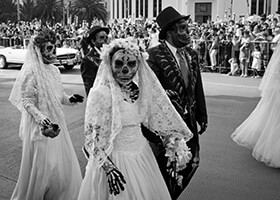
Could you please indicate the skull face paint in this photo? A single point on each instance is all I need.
(48, 51)
(124, 67)
(180, 35)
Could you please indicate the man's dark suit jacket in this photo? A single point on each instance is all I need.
(89, 68)
(190, 97)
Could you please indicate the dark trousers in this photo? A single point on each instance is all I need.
(187, 173)
(88, 83)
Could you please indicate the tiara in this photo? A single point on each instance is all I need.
(130, 45)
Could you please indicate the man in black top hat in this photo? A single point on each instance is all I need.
(97, 37)
(177, 68)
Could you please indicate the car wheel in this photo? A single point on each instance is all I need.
(3, 62)
(68, 67)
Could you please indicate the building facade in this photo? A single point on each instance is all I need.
(200, 10)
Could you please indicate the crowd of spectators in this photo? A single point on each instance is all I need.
(14, 34)
(223, 46)
(220, 45)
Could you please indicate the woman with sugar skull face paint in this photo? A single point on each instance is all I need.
(125, 94)
(49, 168)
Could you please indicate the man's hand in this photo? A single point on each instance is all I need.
(203, 127)
(115, 178)
(76, 98)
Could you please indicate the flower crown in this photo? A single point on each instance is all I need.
(44, 35)
(130, 45)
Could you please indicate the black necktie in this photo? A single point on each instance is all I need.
(183, 66)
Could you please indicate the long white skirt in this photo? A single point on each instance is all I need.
(138, 165)
(261, 131)
(49, 167)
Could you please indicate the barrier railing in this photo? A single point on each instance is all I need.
(202, 47)
(226, 52)
(11, 41)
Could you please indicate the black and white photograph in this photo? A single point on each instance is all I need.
(139, 99)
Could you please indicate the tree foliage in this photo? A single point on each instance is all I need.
(8, 11)
(27, 10)
(90, 9)
(49, 10)
(52, 11)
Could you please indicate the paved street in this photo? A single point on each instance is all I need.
(227, 171)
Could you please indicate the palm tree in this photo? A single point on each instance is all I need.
(8, 11)
(49, 10)
(27, 10)
(90, 9)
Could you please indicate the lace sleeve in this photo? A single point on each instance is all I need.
(97, 123)
(29, 97)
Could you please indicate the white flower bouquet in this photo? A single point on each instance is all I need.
(178, 154)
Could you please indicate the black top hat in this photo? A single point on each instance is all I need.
(96, 29)
(166, 18)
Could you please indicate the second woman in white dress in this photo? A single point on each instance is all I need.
(126, 94)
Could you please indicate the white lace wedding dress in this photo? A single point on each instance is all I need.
(134, 159)
(49, 167)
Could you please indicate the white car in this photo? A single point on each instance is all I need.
(68, 57)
